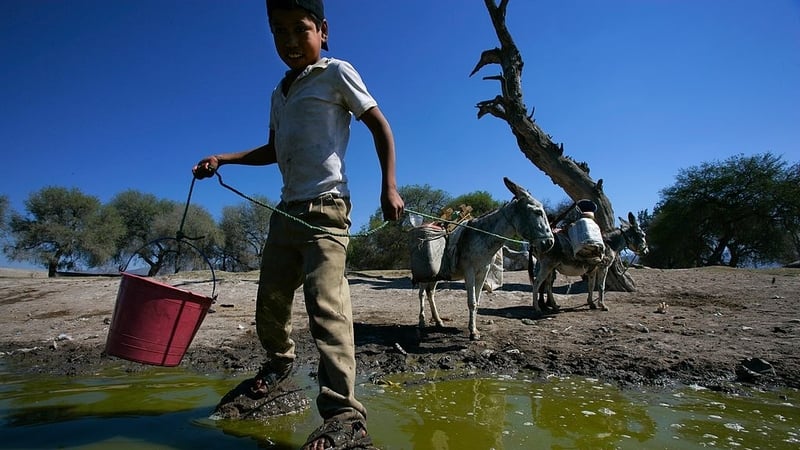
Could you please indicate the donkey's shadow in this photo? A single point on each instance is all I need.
(520, 312)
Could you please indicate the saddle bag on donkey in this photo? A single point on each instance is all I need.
(433, 252)
(587, 240)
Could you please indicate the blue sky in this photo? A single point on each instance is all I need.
(107, 96)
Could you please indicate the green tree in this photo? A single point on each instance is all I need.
(244, 229)
(644, 218)
(138, 211)
(387, 248)
(4, 211)
(741, 211)
(64, 229)
(199, 229)
(481, 202)
(151, 234)
(788, 211)
(422, 198)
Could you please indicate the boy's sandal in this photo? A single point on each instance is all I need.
(347, 434)
(267, 379)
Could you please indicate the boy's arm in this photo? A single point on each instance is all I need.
(391, 202)
(258, 156)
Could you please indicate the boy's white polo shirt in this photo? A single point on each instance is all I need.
(312, 128)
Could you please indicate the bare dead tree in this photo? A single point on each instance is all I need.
(534, 143)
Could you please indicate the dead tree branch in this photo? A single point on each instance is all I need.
(534, 143)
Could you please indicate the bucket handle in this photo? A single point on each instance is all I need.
(180, 241)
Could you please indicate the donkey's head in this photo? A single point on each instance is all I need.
(528, 218)
(633, 234)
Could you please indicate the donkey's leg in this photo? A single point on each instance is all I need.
(423, 289)
(542, 297)
(534, 265)
(431, 290)
(601, 281)
(473, 293)
(542, 273)
(542, 292)
(551, 299)
(591, 279)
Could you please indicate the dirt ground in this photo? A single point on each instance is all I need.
(714, 320)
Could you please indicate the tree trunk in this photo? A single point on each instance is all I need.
(534, 143)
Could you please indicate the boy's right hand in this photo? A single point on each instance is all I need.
(205, 168)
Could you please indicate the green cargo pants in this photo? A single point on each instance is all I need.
(296, 255)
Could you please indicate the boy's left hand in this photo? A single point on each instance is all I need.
(392, 205)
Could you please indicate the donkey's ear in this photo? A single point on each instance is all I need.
(631, 218)
(515, 189)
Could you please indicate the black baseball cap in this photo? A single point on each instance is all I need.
(315, 7)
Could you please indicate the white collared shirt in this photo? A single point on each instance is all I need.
(312, 128)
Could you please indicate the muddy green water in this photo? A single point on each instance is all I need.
(168, 409)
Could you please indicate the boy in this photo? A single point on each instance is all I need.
(310, 117)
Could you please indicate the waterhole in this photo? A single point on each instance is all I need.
(168, 408)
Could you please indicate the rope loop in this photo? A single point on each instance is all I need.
(291, 217)
(323, 230)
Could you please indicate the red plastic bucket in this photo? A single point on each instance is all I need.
(154, 323)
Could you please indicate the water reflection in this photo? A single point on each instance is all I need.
(505, 413)
(588, 414)
(737, 421)
(566, 413)
(169, 408)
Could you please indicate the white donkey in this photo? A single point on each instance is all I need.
(560, 258)
(472, 248)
